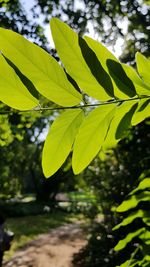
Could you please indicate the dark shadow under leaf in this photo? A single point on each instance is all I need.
(125, 122)
(27, 83)
(123, 82)
(96, 68)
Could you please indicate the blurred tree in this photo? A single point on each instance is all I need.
(20, 158)
(110, 20)
(13, 16)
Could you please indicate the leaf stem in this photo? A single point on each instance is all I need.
(41, 109)
(133, 254)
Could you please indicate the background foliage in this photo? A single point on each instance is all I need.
(137, 15)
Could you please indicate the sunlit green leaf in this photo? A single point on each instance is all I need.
(67, 45)
(140, 87)
(39, 67)
(28, 84)
(144, 184)
(143, 65)
(123, 86)
(129, 263)
(147, 257)
(133, 201)
(123, 82)
(123, 242)
(12, 91)
(134, 215)
(144, 262)
(59, 140)
(121, 110)
(142, 112)
(91, 135)
(146, 238)
(125, 122)
(146, 218)
(96, 67)
(102, 155)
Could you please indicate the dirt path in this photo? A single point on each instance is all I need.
(54, 249)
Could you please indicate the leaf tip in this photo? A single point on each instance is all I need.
(54, 20)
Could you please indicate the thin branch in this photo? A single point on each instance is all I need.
(133, 254)
(40, 109)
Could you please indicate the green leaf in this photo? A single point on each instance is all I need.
(125, 122)
(145, 237)
(96, 68)
(121, 110)
(147, 2)
(140, 87)
(143, 66)
(67, 45)
(102, 155)
(123, 242)
(59, 140)
(123, 82)
(120, 86)
(129, 263)
(144, 184)
(28, 84)
(39, 67)
(133, 201)
(134, 215)
(91, 135)
(142, 112)
(145, 262)
(12, 91)
(146, 219)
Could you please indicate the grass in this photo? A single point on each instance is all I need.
(81, 196)
(29, 227)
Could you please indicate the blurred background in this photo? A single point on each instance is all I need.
(26, 197)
